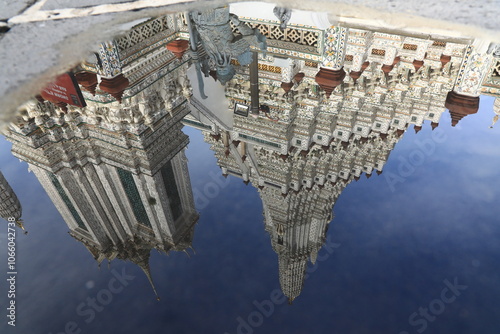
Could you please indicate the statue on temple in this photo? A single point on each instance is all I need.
(494, 49)
(284, 15)
(212, 29)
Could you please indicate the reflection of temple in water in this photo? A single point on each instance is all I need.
(117, 171)
(334, 100)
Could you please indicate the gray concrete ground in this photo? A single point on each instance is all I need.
(47, 37)
(57, 4)
(480, 13)
(9, 8)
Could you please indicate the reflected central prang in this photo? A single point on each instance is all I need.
(310, 107)
(316, 129)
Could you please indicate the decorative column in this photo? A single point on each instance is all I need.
(178, 47)
(390, 60)
(288, 73)
(464, 99)
(87, 80)
(446, 55)
(460, 106)
(331, 73)
(422, 47)
(358, 66)
(112, 79)
(390, 55)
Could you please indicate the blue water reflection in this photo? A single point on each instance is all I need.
(234, 184)
(393, 250)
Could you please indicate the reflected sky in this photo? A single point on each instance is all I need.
(420, 236)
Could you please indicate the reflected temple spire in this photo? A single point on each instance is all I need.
(333, 101)
(318, 129)
(10, 207)
(116, 170)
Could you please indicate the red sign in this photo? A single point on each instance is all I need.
(64, 89)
